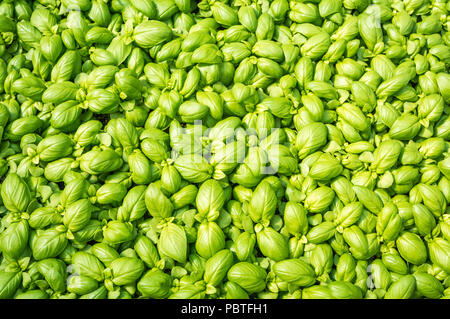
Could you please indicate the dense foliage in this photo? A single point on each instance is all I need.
(224, 149)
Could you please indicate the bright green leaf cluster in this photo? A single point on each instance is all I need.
(224, 149)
